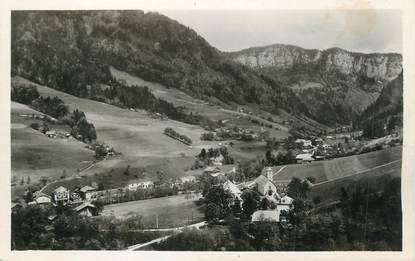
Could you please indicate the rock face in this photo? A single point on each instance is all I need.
(333, 84)
(379, 66)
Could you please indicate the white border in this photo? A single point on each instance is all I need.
(408, 185)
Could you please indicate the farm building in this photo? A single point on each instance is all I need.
(188, 179)
(211, 169)
(305, 143)
(86, 209)
(87, 192)
(140, 185)
(61, 194)
(217, 161)
(305, 157)
(41, 198)
(51, 134)
(266, 215)
(76, 196)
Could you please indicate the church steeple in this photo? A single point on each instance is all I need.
(268, 173)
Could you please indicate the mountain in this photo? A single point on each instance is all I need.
(72, 51)
(332, 83)
(386, 113)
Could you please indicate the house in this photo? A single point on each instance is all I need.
(233, 189)
(217, 161)
(88, 192)
(41, 198)
(306, 157)
(140, 185)
(76, 196)
(264, 183)
(51, 134)
(305, 143)
(211, 170)
(266, 215)
(86, 209)
(60, 194)
(188, 179)
(286, 200)
(318, 141)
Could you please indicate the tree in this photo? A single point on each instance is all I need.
(213, 212)
(221, 198)
(298, 188)
(250, 203)
(236, 207)
(265, 204)
(127, 171)
(99, 206)
(202, 154)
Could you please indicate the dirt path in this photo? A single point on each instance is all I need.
(161, 239)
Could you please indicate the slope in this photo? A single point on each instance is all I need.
(34, 155)
(135, 134)
(73, 51)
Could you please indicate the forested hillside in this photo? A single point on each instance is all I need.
(386, 113)
(72, 52)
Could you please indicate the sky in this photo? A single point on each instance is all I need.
(366, 31)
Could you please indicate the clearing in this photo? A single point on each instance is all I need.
(172, 211)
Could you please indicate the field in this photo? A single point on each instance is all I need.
(210, 110)
(135, 134)
(340, 167)
(172, 211)
(373, 179)
(35, 155)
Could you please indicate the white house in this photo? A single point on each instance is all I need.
(286, 200)
(188, 179)
(306, 143)
(217, 161)
(88, 192)
(140, 185)
(51, 134)
(305, 157)
(41, 198)
(60, 194)
(211, 169)
(266, 215)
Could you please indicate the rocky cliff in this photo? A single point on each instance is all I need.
(380, 66)
(334, 83)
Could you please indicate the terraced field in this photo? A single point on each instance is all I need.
(340, 167)
(372, 179)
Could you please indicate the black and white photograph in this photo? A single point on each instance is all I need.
(206, 130)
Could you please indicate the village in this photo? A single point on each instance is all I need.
(88, 200)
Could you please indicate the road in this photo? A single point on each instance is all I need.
(161, 239)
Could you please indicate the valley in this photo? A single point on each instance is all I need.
(126, 125)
